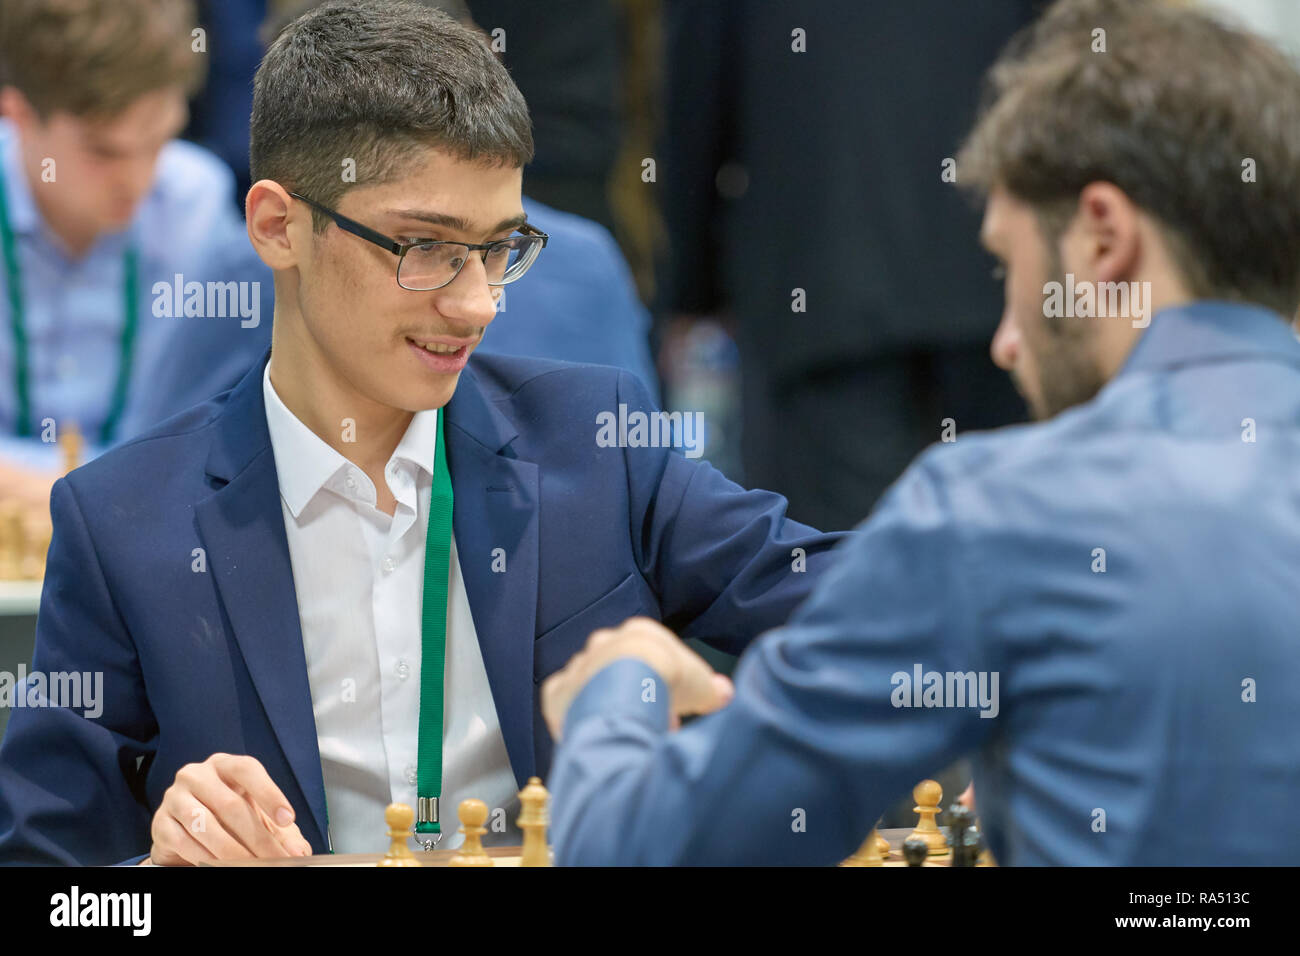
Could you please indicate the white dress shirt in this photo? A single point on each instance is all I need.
(359, 579)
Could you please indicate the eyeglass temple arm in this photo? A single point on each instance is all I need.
(354, 227)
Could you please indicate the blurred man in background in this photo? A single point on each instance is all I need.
(118, 239)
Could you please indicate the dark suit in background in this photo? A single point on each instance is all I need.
(830, 182)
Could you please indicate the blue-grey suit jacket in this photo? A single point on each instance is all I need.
(1128, 572)
(206, 661)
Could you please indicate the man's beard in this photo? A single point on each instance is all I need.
(1067, 370)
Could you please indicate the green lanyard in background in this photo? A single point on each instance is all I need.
(18, 325)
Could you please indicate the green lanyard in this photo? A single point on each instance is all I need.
(433, 647)
(433, 641)
(17, 323)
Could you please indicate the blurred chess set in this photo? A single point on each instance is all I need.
(928, 845)
(25, 529)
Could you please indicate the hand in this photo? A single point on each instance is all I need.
(693, 686)
(225, 808)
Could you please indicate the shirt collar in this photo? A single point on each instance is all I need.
(1211, 331)
(305, 463)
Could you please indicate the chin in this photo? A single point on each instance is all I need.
(427, 395)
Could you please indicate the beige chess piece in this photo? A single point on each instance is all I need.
(473, 814)
(869, 853)
(533, 820)
(70, 445)
(927, 795)
(399, 818)
(882, 845)
(36, 546)
(12, 540)
(43, 548)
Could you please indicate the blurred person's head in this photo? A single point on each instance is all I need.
(99, 88)
(1169, 159)
(397, 116)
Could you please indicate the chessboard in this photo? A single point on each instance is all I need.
(25, 533)
(926, 845)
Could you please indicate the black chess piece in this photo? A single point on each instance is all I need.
(915, 850)
(960, 821)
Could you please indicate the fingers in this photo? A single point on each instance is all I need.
(173, 845)
(249, 778)
(218, 809)
(692, 685)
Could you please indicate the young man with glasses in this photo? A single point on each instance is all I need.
(341, 583)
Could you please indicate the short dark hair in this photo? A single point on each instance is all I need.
(1169, 114)
(375, 82)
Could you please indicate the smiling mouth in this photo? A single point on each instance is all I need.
(441, 357)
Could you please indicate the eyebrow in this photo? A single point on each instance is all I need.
(456, 222)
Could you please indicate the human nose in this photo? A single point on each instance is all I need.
(1005, 347)
(468, 297)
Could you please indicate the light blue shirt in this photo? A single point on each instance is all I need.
(1128, 572)
(185, 226)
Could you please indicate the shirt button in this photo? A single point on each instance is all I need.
(403, 670)
(388, 565)
(350, 482)
(411, 776)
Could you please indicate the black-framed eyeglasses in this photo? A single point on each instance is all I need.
(430, 264)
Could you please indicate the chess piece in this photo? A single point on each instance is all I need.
(960, 822)
(36, 542)
(41, 550)
(399, 818)
(915, 850)
(866, 855)
(473, 814)
(882, 844)
(533, 821)
(12, 540)
(927, 795)
(70, 445)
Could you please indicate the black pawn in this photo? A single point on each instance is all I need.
(915, 850)
(960, 820)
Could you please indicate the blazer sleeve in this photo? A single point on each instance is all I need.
(726, 562)
(823, 732)
(72, 778)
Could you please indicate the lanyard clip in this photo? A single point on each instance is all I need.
(427, 812)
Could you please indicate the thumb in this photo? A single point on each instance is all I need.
(701, 691)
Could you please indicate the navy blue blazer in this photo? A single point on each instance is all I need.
(201, 662)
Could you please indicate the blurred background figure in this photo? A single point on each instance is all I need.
(220, 111)
(804, 190)
(106, 221)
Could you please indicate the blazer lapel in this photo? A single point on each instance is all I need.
(242, 526)
(496, 506)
